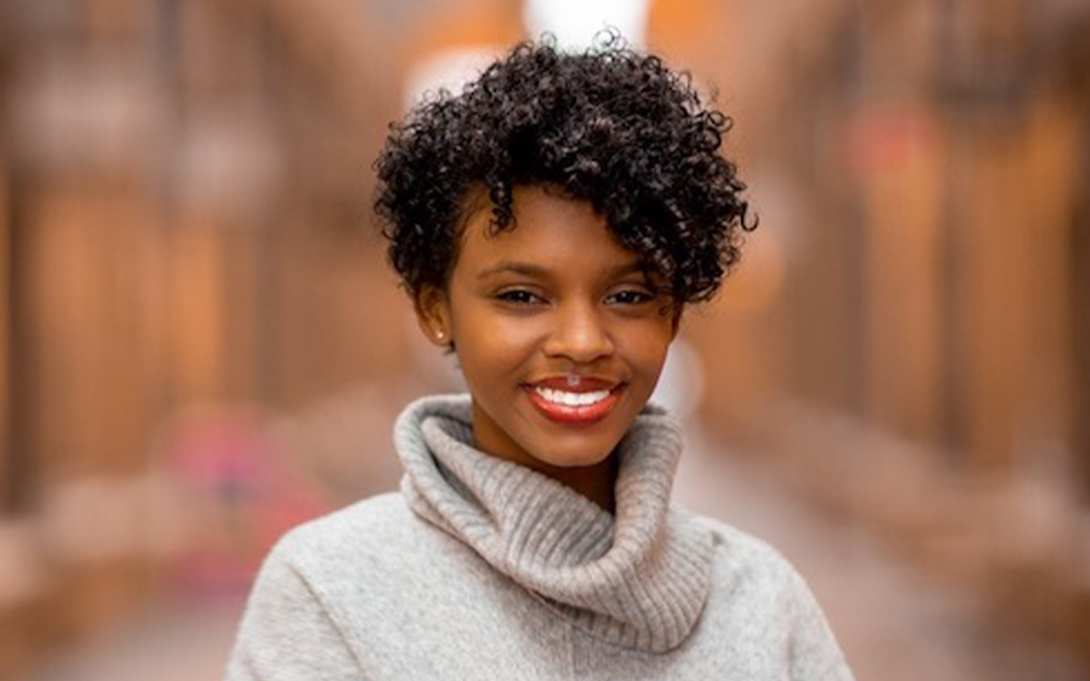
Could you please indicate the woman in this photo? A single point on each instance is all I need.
(550, 225)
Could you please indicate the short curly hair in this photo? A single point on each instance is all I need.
(611, 126)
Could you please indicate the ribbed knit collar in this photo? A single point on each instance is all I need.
(639, 580)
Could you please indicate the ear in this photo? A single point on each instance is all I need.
(433, 315)
(675, 318)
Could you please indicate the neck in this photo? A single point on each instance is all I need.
(595, 482)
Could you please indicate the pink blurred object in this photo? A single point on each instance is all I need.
(246, 492)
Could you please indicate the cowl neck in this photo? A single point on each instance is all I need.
(638, 579)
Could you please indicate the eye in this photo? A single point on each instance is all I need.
(630, 296)
(519, 296)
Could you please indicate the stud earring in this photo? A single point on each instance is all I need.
(440, 336)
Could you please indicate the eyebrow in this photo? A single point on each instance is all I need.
(532, 270)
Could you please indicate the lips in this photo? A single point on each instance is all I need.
(575, 400)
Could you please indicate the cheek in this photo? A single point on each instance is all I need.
(493, 344)
(647, 348)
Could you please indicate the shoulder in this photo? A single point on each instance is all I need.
(372, 556)
(380, 529)
(745, 566)
(758, 593)
(741, 549)
(306, 590)
(374, 514)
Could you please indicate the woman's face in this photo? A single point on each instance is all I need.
(559, 332)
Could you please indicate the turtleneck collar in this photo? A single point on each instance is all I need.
(638, 580)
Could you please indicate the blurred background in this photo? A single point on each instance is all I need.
(201, 345)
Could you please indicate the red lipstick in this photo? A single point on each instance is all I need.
(553, 398)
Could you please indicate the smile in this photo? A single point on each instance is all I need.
(574, 408)
(571, 399)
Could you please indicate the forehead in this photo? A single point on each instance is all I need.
(548, 228)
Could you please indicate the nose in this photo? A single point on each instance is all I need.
(579, 334)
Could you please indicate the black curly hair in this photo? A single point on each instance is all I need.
(610, 126)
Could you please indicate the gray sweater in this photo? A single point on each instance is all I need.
(483, 569)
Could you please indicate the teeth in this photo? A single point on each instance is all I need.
(571, 399)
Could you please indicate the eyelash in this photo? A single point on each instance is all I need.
(640, 296)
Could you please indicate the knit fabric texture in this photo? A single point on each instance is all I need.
(638, 580)
(483, 569)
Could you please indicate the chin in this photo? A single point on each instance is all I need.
(580, 456)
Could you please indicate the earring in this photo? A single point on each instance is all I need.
(440, 336)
